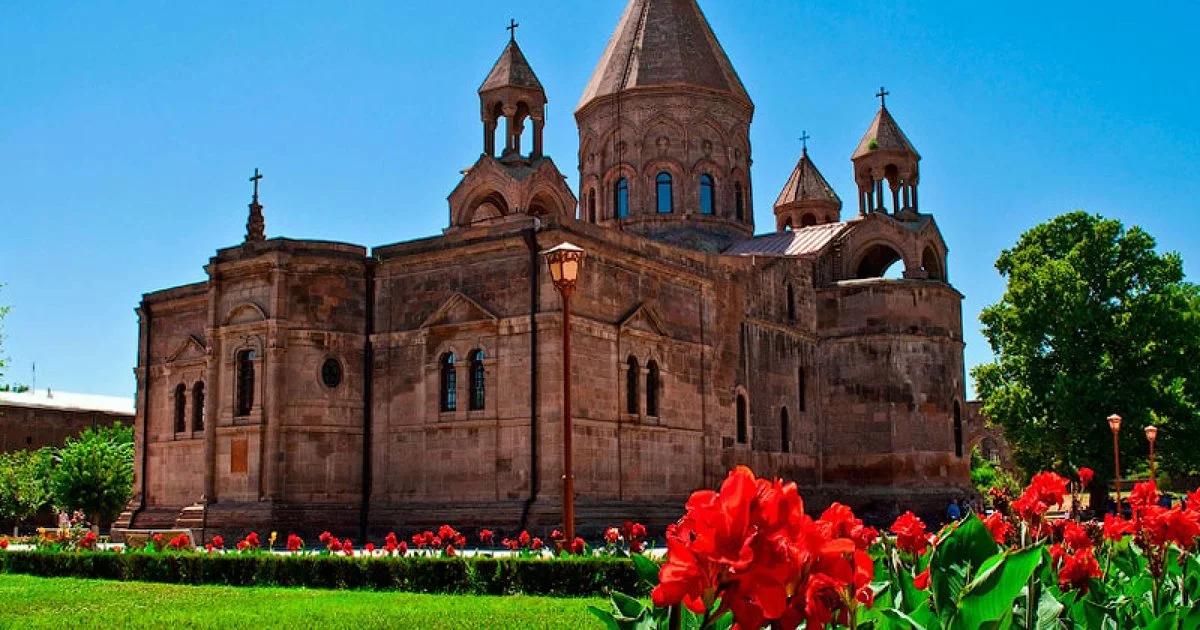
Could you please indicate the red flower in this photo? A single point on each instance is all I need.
(910, 534)
(1049, 487)
(179, 542)
(536, 544)
(402, 548)
(242, 545)
(208, 547)
(324, 538)
(3, 543)
(348, 547)
(294, 543)
(1078, 570)
(390, 543)
(486, 536)
(1085, 476)
(334, 545)
(578, 546)
(921, 581)
(1193, 500)
(369, 547)
(1075, 537)
(612, 536)
(1176, 525)
(436, 542)
(557, 536)
(1144, 495)
(1116, 528)
(218, 542)
(450, 551)
(999, 527)
(524, 539)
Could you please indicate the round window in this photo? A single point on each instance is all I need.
(331, 373)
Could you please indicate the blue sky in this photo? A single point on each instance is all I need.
(127, 131)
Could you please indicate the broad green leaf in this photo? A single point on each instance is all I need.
(892, 619)
(910, 597)
(627, 607)
(606, 617)
(1048, 611)
(956, 557)
(1191, 621)
(647, 569)
(989, 597)
(1166, 622)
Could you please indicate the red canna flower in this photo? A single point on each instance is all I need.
(242, 545)
(436, 542)
(390, 544)
(1078, 570)
(294, 543)
(218, 542)
(348, 547)
(486, 536)
(1176, 525)
(1075, 536)
(612, 536)
(369, 547)
(999, 527)
(179, 542)
(536, 544)
(3, 543)
(921, 581)
(557, 536)
(402, 548)
(578, 546)
(450, 552)
(334, 545)
(1144, 495)
(208, 547)
(524, 539)
(252, 540)
(1085, 476)
(1193, 500)
(1116, 528)
(324, 538)
(910, 534)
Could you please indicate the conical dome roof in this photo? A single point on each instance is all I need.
(807, 184)
(662, 43)
(511, 70)
(884, 135)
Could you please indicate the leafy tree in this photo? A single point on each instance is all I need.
(1093, 322)
(24, 483)
(94, 472)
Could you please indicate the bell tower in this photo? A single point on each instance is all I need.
(886, 167)
(807, 198)
(512, 93)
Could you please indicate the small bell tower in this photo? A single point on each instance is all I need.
(807, 198)
(886, 167)
(513, 93)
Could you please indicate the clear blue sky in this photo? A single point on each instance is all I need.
(127, 130)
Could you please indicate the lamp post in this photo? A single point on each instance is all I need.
(1114, 423)
(564, 261)
(1151, 436)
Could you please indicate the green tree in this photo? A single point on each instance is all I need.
(94, 473)
(24, 483)
(1093, 322)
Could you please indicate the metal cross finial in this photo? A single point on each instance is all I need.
(512, 30)
(804, 140)
(257, 176)
(882, 96)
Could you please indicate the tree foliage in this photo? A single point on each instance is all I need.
(1093, 322)
(94, 472)
(25, 483)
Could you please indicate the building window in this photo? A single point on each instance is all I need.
(245, 382)
(331, 373)
(958, 430)
(198, 406)
(785, 432)
(706, 194)
(621, 198)
(801, 390)
(180, 408)
(666, 203)
(739, 204)
(449, 381)
(591, 217)
(741, 419)
(652, 385)
(631, 387)
(791, 304)
(478, 386)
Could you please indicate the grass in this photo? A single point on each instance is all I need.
(32, 602)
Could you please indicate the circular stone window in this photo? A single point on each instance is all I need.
(331, 373)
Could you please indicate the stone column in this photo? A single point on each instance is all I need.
(212, 410)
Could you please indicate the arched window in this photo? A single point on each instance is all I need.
(449, 383)
(478, 387)
(958, 430)
(198, 406)
(591, 215)
(631, 386)
(706, 194)
(802, 390)
(741, 419)
(791, 304)
(808, 219)
(621, 198)
(739, 204)
(785, 432)
(180, 408)
(245, 382)
(666, 202)
(652, 385)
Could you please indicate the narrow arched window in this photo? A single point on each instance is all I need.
(706, 194)
(180, 408)
(652, 385)
(801, 390)
(741, 419)
(958, 430)
(631, 386)
(449, 383)
(478, 387)
(666, 202)
(791, 304)
(785, 432)
(245, 382)
(198, 406)
(621, 198)
(591, 216)
(739, 204)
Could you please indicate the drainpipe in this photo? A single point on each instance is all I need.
(534, 478)
(368, 389)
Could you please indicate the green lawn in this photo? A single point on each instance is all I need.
(31, 602)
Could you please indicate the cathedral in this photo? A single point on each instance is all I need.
(310, 385)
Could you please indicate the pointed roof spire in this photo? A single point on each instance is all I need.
(663, 43)
(511, 70)
(807, 184)
(884, 135)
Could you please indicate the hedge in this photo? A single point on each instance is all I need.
(563, 577)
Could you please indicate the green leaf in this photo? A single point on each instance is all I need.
(606, 617)
(962, 551)
(1166, 622)
(1191, 621)
(627, 607)
(1048, 611)
(910, 597)
(647, 569)
(892, 619)
(990, 596)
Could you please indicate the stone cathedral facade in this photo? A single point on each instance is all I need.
(310, 385)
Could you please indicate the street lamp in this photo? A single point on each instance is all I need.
(1151, 436)
(1114, 423)
(564, 262)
